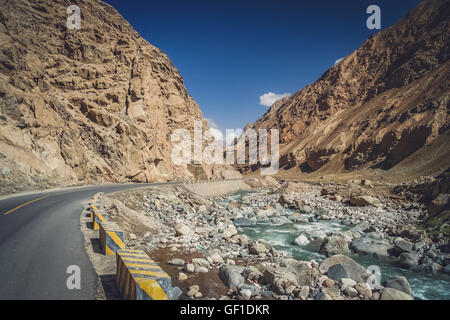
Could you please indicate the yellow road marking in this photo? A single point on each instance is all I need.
(22, 205)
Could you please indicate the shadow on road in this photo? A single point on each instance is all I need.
(96, 246)
(109, 287)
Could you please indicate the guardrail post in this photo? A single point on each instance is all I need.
(140, 278)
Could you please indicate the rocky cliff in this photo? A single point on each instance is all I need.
(385, 106)
(96, 104)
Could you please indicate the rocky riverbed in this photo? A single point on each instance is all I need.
(289, 241)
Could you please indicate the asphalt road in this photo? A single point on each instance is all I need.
(41, 238)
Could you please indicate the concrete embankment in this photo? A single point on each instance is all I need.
(216, 188)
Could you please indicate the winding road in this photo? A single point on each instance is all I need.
(40, 237)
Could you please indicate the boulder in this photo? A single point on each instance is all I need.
(231, 276)
(299, 273)
(182, 229)
(377, 248)
(401, 284)
(262, 214)
(301, 240)
(192, 291)
(182, 276)
(298, 218)
(350, 235)
(281, 220)
(354, 270)
(316, 244)
(394, 294)
(277, 277)
(337, 272)
(361, 227)
(364, 289)
(229, 231)
(307, 277)
(323, 296)
(200, 269)
(351, 292)
(259, 246)
(244, 222)
(401, 246)
(200, 262)
(409, 260)
(246, 293)
(176, 262)
(366, 183)
(283, 201)
(216, 258)
(190, 268)
(335, 245)
(347, 282)
(365, 201)
(304, 292)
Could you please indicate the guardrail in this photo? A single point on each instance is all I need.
(111, 238)
(138, 277)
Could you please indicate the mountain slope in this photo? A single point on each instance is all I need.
(385, 106)
(89, 105)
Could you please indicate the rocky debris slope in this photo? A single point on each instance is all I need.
(89, 105)
(434, 193)
(383, 106)
(202, 238)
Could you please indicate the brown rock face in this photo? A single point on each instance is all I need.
(88, 105)
(384, 105)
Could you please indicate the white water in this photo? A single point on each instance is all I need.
(426, 287)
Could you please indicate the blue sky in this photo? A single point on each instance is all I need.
(232, 52)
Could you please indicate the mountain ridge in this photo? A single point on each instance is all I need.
(376, 107)
(92, 105)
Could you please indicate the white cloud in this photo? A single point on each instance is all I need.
(217, 134)
(214, 130)
(212, 123)
(338, 60)
(231, 135)
(270, 98)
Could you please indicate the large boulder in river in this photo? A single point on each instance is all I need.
(394, 294)
(281, 220)
(409, 260)
(372, 246)
(400, 283)
(354, 270)
(301, 240)
(244, 222)
(402, 246)
(259, 246)
(335, 245)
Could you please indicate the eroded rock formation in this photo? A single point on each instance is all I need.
(384, 105)
(89, 105)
